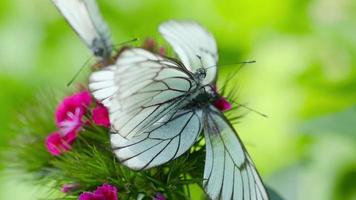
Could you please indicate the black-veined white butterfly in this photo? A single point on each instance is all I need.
(84, 17)
(159, 106)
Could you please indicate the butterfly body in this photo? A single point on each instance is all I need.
(204, 97)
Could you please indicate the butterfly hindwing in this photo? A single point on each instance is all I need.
(194, 45)
(229, 172)
(145, 87)
(165, 140)
(85, 19)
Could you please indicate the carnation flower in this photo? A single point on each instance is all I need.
(56, 144)
(70, 112)
(222, 104)
(151, 45)
(104, 192)
(101, 115)
(69, 119)
(69, 188)
(162, 51)
(159, 196)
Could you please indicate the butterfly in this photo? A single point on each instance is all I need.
(159, 106)
(84, 17)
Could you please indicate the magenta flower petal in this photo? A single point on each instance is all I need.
(104, 192)
(162, 51)
(69, 188)
(101, 115)
(149, 44)
(222, 104)
(70, 136)
(70, 105)
(69, 114)
(89, 196)
(56, 144)
(159, 196)
(108, 191)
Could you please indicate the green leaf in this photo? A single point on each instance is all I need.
(273, 195)
(343, 122)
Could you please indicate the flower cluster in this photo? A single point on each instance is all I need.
(70, 119)
(151, 45)
(109, 192)
(104, 192)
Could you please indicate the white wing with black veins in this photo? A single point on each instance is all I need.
(140, 89)
(229, 172)
(164, 141)
(195, 46)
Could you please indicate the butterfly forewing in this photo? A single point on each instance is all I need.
(195, 46)
(85, 19)
(229, 172)
(165, 140)
(146, 86)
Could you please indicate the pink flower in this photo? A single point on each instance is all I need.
(69, 119)
(104, 192)
(149, 44)
(222, 104)
(70, 188)
(101, 115)
(56, 144)
(159, 196)
(162, 51)
(70, 112)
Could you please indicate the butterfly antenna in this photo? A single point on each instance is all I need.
(250, 109)
(238, 63)
(126, 42)
(232, 75)
(242, 64)
(201, 62)
(79, 71)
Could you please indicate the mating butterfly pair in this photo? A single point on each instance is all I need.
(159, 106)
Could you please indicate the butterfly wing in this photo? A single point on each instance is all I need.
(140, 89)
(195, 46)
(165, 140)
(85, 19)
(229, 171)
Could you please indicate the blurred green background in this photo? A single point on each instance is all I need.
(304, 78)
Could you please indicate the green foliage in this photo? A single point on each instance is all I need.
(306, 58)
(28, 152)
(341, 122)
(273, 195)
(91, 162)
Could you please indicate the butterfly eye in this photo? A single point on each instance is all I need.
(200, 74)
(98, 51)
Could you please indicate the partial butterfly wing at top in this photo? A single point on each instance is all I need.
(85, 19)
(195, 47)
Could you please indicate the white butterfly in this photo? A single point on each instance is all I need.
(85, 19)
(159, 106)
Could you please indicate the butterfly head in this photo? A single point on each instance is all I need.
(200, 74)
(100, 49)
